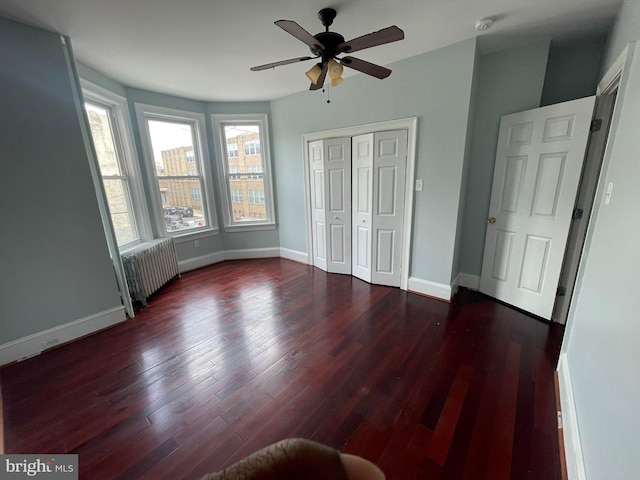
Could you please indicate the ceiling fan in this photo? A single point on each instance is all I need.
(328, 45)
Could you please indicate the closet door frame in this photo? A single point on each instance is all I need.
(409, 124)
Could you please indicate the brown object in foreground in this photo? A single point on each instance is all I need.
(236, 356)
(288, 459)
(299, 458)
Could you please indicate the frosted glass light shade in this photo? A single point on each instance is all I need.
(335, 69)
(314, 73)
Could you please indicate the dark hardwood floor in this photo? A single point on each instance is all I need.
(235, 356)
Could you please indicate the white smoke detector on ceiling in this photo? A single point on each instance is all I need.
(483, 24)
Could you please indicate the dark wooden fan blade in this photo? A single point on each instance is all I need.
(267, 66)
(366, 67)
(300, 33)
(318, 85)
(386, 35)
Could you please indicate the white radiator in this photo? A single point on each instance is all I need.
(149, 266)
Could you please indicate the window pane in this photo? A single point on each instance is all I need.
(102, 135)
(114, 179)
(182, 203)
(245, 168)
(120, 209)
(172, 145)
(174, 156)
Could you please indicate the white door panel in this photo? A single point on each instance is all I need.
(331, 204)
(537, 172)
(362, 168)
(384, 254)
(318, 214)
(390, 163)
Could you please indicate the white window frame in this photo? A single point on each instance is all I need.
(146, 112)
(123, 138)
(219, 121)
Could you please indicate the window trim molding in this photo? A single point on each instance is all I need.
(144, 111)
(218, 121)
(124, 133)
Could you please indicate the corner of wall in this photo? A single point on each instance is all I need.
(569, 423)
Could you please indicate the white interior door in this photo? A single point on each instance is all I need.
(337, 153)
(537, 172)
(330, 170)
(362, 215)
(389, 170)
(318, 214)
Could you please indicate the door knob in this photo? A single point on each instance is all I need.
(492, 220)
(336, 218)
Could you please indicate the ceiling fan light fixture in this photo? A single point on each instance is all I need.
(335, 70)
(314, 72)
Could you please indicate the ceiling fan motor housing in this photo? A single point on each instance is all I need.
(330, 40)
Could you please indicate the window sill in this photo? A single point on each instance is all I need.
(129, 246)
(189, 237)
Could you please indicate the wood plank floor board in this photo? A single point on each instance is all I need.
(229, 358)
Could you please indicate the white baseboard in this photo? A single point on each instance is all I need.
(440, 291)
(472, 282)
(248, 253)
(35, 344)
(572, 445)
(296, 256)
(199, 262)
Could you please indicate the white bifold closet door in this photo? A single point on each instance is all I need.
(369, 180)
(379, 169)
(331, 203)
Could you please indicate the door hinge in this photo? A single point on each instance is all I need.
(577, 213)
(596, 124)
(559, 417)
(561, 292)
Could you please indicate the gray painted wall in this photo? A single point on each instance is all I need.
(601, 341)
(53, 254)
(573, 69)
(624, 31)
(98, 78)
(509, 81)
(473, 102)
(435, 87)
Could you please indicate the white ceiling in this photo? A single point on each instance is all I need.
(203, 49)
